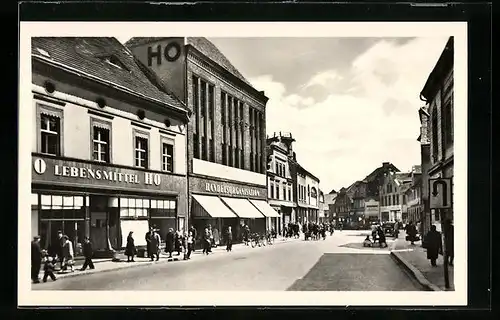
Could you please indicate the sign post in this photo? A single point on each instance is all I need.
(440, 199)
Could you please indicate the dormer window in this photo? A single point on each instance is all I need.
(115, 62)
(43, 52)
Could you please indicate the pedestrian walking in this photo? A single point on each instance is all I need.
(229, 239)
(68, 254)
(48, 268)
(211, 237)
(194, 234)
(87, 253)
(433, 244)
(36, 259)
(155, 245)
(190, 244)
(130, 249)
(450, 243)
(169, 242)
(148, 236)
(411, 232)
(59, 249)
(206, 242)
(178, 242)
(381, 237)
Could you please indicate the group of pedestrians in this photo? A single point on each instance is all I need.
(175, 241)
(61, 251)
(316, 231)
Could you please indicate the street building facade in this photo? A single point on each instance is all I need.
(108, 146)
(329, 204)
(279, 178)
(342, 208)
(438, 96)
(372, 210)
(413, 195)
(357, 193)
(323, 208)
(391, 196)
(306, 186)
(226, 162)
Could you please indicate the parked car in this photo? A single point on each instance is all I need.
(389, 229)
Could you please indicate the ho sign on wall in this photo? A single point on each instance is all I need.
(170, 52)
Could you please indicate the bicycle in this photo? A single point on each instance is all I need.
(270, 239)
(257, 240)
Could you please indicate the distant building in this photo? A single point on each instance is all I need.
(330, 213)
(342, 208)
(391, 196)
(279, 177)
(357, 192)
(413, 195)
(438, 95)
(323, 208)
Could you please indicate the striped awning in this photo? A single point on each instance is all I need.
(265, 208)
(213, 206)
(243, 208)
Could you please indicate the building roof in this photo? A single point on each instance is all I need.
(104, 59)
(201, 44)
(444, 63)
(306, 172)
(380, 170)
(332, 192)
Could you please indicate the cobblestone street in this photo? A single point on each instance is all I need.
(333, 264)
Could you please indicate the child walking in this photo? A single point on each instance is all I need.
(48, 269)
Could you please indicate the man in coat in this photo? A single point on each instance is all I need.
(449, 241)
(59, 249)
(148, 236)
(169, 242)
(229, 239)
(88, 252)
(155, 245)
(194, 234)
(36, 259)
(433, 244)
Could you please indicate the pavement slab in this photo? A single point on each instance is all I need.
(360, 272)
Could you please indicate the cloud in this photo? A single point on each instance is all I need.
(324, 78)
(345, 136)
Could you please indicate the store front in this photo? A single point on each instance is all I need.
(223, 204)
(273, 218)
(105, 203)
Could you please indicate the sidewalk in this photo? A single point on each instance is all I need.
(414, 259)
(104, 265)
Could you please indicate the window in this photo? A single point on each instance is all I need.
(101, 145)
(272, 189)
(224, 154)
(134, 208)
(101, 140)
(50, 130)
(195, 119)
(163, 208)
(277, 191)
(434, 141)
(167, 157)
(289, 193)
(62, 207)
(141, 149)
(284, 191)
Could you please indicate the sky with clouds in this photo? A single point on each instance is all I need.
(350, 103)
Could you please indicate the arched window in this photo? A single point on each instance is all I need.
(313, 193)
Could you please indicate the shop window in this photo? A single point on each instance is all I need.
(101, 141)
(50, 130)
(134, 208)
(141, 149)
(167, 157)
(163, 209)
(59, 207)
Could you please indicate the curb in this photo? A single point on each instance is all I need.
(142, 264)
(414, 272)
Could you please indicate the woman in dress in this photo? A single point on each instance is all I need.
(68, 253)
(130, 250)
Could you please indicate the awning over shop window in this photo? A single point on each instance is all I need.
(265, 208)
(214, 207)
(243, 208)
